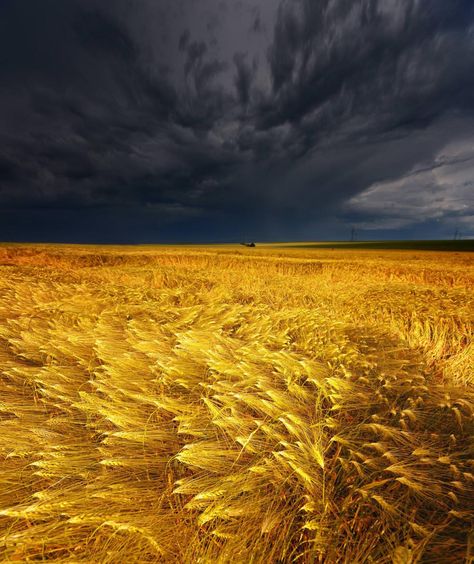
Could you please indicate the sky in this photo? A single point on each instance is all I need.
(141, 121)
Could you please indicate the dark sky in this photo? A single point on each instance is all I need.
(207, 120)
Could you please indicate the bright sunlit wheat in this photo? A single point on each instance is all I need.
(235, 405)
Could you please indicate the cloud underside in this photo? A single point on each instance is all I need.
(441, 191)
(291, 112)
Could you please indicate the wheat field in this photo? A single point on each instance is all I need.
(225, 404)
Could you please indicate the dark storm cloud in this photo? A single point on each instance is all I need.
(202, 70)
(184, 39)
(289, 119)
(394, 63)
(257, 24)
(243, 78)
(195, 52)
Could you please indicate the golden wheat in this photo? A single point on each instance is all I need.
(220, 404)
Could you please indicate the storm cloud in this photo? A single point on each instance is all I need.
(183, 120)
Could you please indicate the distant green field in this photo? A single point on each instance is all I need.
(448, 245)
